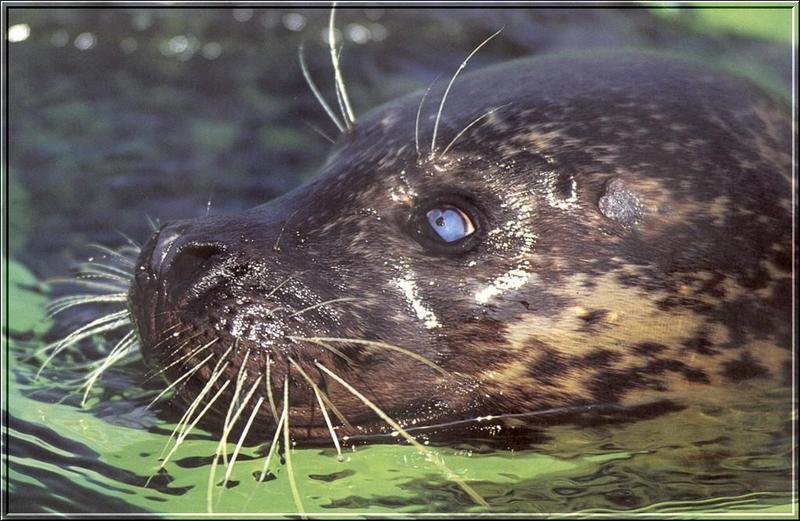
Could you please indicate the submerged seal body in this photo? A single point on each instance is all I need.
(606, 229)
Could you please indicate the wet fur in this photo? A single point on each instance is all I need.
(564, 303)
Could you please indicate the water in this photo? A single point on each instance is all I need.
(124, 113)
(722, 457)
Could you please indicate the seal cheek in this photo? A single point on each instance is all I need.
(408, 286)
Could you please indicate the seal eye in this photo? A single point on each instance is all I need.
(450, 223)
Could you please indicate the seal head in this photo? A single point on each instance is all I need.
(609, 229)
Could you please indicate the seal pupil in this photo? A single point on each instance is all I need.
(450, 223)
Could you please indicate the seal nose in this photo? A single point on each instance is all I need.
(164, 240)
(178, 258)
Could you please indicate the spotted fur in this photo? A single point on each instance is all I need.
(636, 249)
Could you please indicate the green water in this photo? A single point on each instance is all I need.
(714, 458)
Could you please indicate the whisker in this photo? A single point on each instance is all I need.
(474, 121)
(241, 440)
(132, 244)
(223, 442)
(237, 389)
(183, 427)
(217, 453)
(279, 286)
(315, 306)
(153, 223)
(315, 387)
(323, 395)
(125, 259)
(126, 346)
(210, 197)
(335, 410)
(58, 305)
(173, 326)
(320, 132)
(240, 378)
(242, 371)
(107, 270)
(328, 348)
(447, 91)
(183, 377)
(287, 444)
(95, 364)
(105, 319)
(190, 354)
(278, 431)
(270, 451)
(428, 453)
(87, 271)
(315, 90)
(110, 278)
(91, 283)
(90, 366)
(103, 324)
(130, 251)
(575, 409)
(166, 338)
(183, 435)
(96, 328)
(339, 98)
(184, 421)
(374, 343)
(335, 438)
(276, 247)
(274, 310)
(347, 114)
(168, 359)
(268, 382)
(419, 111)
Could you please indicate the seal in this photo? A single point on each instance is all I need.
(553, 233)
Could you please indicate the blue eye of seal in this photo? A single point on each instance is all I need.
(450, 223)
(447, 224)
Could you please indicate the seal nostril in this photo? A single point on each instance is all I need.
(189, 264)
